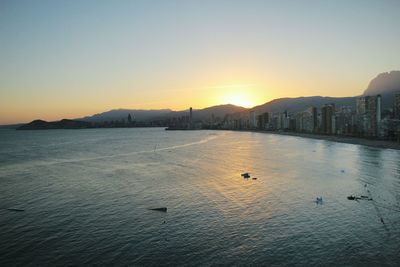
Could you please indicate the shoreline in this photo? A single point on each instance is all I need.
(336, 138)
(333, 138)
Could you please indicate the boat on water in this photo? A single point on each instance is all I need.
(163, 209)
(245, 175)
(13, 209)
(351, 197)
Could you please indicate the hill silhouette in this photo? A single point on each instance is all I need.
(145, 115)
(386, 84)
(119, 114)
(299, 104)
(62, 124)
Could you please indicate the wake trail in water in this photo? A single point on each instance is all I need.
(202, 141)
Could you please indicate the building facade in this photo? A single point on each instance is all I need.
(328, 119)
(368, 115)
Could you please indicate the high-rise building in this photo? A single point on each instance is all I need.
(283, 122)
(344, 121)
(265, 118)
(260, 124)
(279, 121)
(327, 119)
(262, 121)
(190, 119)
(397, 106)
(369, 115)
(253, 121)
(311, 121)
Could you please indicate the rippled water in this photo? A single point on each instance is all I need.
(86, 195)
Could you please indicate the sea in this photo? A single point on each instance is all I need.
(85, 199)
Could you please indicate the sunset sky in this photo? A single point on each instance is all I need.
(67, 59)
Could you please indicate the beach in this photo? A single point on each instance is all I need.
(340, 139)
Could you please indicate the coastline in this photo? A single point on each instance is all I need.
(335, 138)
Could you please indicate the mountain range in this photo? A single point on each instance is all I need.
(143, 115)
(386, 84)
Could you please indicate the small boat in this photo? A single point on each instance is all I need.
(12, 209)
(245, 175)
(163, 209)
(352, 197)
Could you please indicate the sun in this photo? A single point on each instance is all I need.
(239, 100)
(238, 94)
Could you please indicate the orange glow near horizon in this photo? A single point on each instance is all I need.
(245, 91)
(244, 95)
(239, 100)
(239, 94)
(55, 105)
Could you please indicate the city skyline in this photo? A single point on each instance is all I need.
(71, 59)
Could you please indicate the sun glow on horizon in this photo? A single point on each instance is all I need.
(238, 94)
(239, 100)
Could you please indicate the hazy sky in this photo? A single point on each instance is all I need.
(72, 58)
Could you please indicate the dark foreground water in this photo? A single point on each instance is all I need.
(86, 195)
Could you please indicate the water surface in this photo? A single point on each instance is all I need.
(86, 195)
